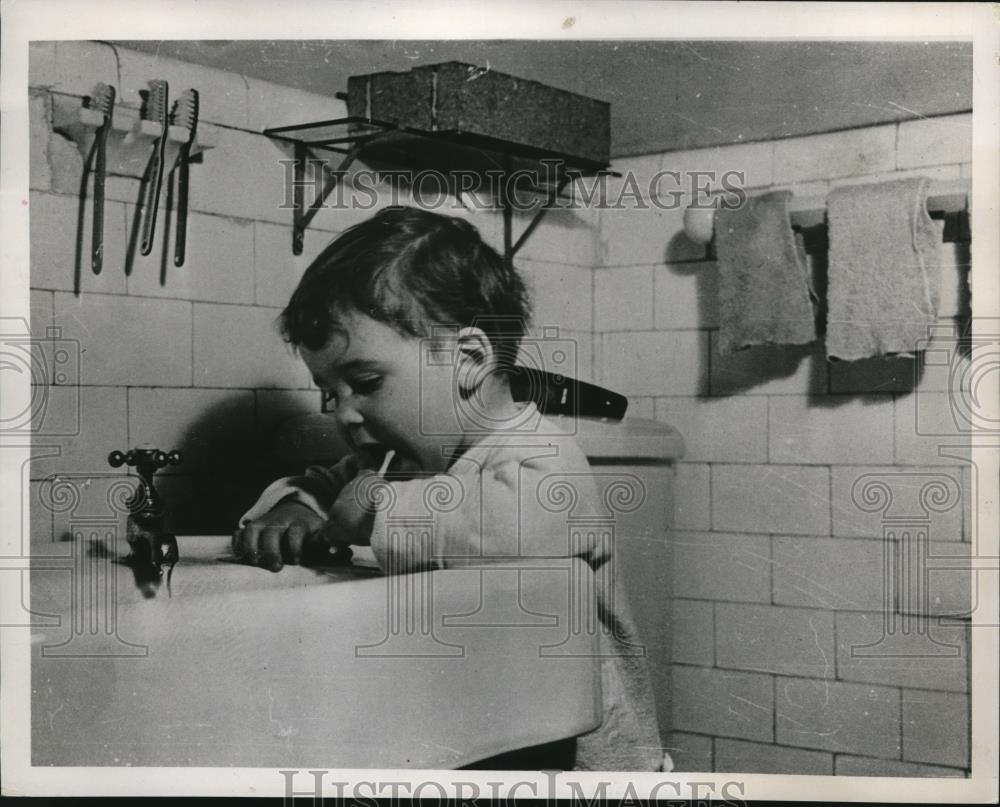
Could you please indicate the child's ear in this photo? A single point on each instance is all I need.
(474, 360)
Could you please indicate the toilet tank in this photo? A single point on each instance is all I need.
(635, 455)
(642, 453)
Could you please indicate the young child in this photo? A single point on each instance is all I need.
(410, 324)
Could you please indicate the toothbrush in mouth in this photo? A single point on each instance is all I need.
(385, 463)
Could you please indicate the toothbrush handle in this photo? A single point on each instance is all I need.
(153, 193)
(182, 209)
(97, 234)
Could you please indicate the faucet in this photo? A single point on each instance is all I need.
(151, 546)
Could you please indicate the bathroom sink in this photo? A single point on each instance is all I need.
(330, 668)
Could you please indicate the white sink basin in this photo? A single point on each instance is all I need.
(335, 668)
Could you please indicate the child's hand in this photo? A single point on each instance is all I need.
(277, 537)
(352, 516)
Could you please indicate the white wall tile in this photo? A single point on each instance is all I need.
(654, 363)
(692, 496)
(723, 566)
(222, 95)
(239, 346)
(725, 703)
(623, 299)
(928, 422)
(686, 295)
(754, 160)
(935, 141)
(242, 176)
(740, 756)
(270, 105)
(834, 573)
(276, 270)
(836, 154)
(693, 632)
(563, 236)
(648, 235)
(791, 499)
(39, 170)
(859, 510)
(128, 340)
(640, 406)
(936, 728)
(218, 264)
(561, 295)
(839, 717)
(718, 429)
(71, 66)
(772, 638)
(870, 651)
(61, 245)
(830, 429)
(81, 425)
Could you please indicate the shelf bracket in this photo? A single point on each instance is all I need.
(511, 250)
(301, 214)
(327, 135)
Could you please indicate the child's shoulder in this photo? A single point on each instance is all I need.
(539, 440)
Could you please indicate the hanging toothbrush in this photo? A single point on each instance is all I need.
(103, 102)
(156, 111)
(186, 115)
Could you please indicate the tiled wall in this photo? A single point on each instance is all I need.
(778, 574)
(189, 358)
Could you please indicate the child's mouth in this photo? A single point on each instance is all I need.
(372, 455)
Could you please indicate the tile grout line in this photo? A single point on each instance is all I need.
(253, 259)
(774, 713)
(192, 343)
(902, 722)
(829, 483)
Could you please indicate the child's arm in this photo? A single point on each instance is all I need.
(317, 489)
(493, 511)
(350, 518)
(288, 512)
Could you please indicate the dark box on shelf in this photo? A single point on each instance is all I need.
(459, 98)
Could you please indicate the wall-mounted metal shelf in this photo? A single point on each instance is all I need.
(465, 157)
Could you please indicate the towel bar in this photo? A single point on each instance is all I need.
(951, 196)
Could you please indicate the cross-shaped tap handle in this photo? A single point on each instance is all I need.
(150, 457)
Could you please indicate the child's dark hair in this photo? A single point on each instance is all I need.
(410, 269)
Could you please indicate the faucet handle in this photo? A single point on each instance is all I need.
(145, 456)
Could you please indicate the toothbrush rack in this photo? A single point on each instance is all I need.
(130, 137)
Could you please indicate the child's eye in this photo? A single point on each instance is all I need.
(366, 385)
(329, 397)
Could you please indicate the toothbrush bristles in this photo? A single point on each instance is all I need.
(157, 104)
(186, 109)
(103, 99)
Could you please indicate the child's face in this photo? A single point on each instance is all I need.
(372, 378)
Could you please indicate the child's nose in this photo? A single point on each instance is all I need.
(347, 413)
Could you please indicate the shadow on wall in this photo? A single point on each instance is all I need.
(230, 456)
(749, 368)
